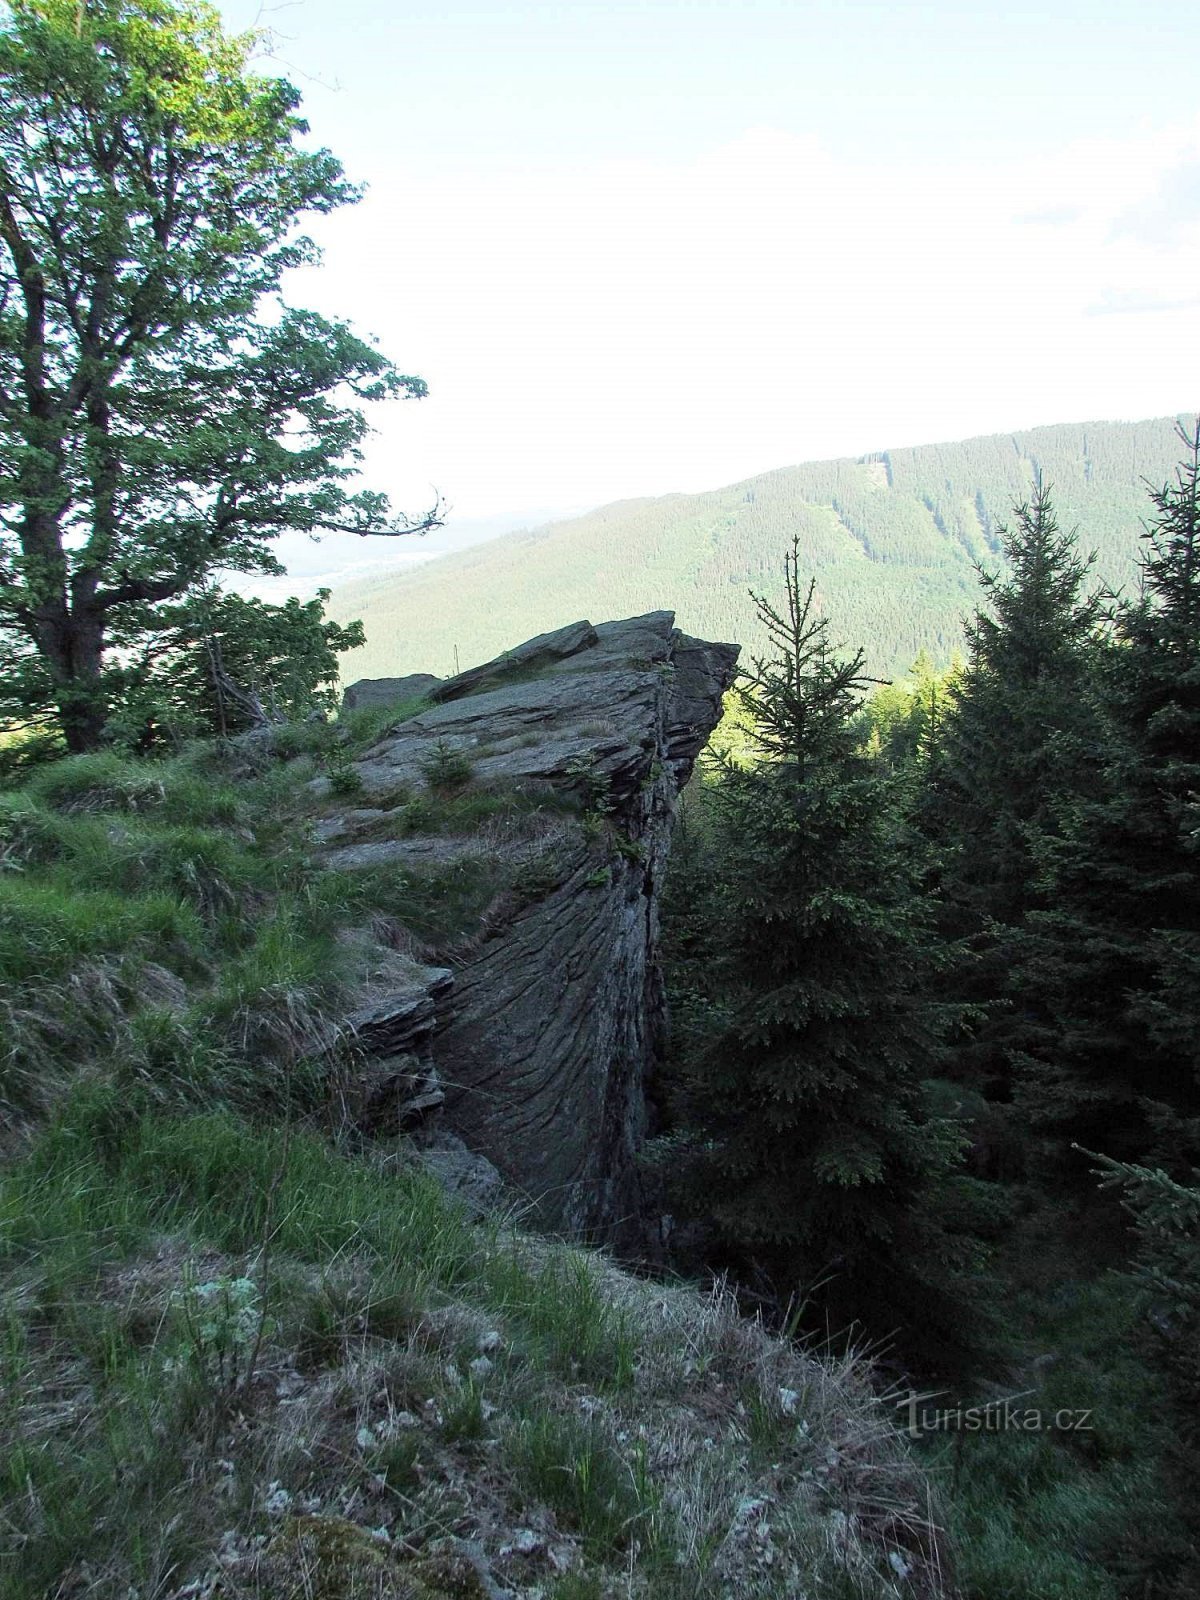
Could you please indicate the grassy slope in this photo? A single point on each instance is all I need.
(242, 1355)
(248, 1361)
(892, 540)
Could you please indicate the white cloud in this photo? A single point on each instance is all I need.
(635, 326)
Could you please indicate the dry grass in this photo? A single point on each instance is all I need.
(380, 1397)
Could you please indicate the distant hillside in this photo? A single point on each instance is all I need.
(891, 538)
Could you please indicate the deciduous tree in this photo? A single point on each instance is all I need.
(163, 411)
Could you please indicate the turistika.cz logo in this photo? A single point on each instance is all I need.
(997, 1416)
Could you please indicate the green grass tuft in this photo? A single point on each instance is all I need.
(45, 927)
(570, 1463)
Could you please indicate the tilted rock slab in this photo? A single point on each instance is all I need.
(555, 1017)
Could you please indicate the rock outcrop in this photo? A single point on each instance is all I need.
(387, 691)
(544, 1039)
(394, 1083)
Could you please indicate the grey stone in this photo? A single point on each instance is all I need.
(534, 655)
(389, 1081)
(393, 1094)
(556, 1016)
(343, 822)
(387, 691)
(462, 1173)
(392, 1025)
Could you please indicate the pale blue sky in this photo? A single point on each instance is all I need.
(504, 81)
(643, 247)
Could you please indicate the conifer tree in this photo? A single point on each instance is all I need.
(1016, 715)
(1114, 954)
(819, 1159)
(1018, 744)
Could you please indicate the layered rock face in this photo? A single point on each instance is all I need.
(544, 1037)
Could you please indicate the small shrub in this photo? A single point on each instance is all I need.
(396, 1462)
(222, 1322)
(446, 769)
(395, 1304)
(590, 785)
(628, 849)
(344, 778)
(463, 1419)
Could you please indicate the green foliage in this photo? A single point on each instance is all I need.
(167, 413)
(23, 749)
(901, 723)
(814, 1152)
(105, 1181)
(221, 663)
(150, 1262)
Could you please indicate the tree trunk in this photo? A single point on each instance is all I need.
(73, 647)
(82, 724)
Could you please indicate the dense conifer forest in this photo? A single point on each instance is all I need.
(936, 1073)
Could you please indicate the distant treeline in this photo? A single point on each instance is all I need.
(892, 540)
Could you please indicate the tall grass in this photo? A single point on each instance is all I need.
(1062, 1514)
(119, 875)
(47, 926)
(174, 789)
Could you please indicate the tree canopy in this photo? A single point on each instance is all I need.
(164, 412)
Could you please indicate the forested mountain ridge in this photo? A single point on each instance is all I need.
(892, 538)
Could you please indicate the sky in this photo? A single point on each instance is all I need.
(636, 248)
